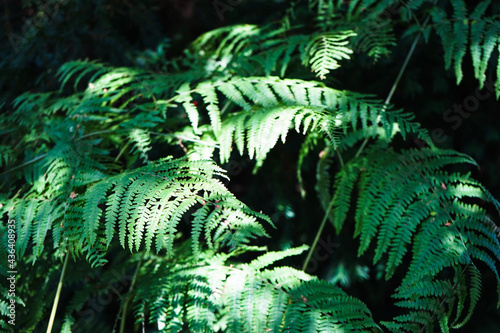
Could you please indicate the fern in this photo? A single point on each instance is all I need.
(147, 205)
(142, 141)
(459, 30)
(445, 231)
(247, 298)
(326, 50)
(462, 29)
(372, 27)
(127, 158)
(283, 104)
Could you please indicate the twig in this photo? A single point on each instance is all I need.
(58, 294)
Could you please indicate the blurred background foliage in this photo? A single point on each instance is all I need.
(39, 36)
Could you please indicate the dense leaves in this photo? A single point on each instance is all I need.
(118, 171)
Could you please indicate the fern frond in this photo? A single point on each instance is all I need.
(84, 67)
(148, 203)
(406, 202)
(142, 142)
(376, 43)
(475, 30)
(326, 50)
(6, 155)
(282, 104)
(247, 297)
(226, 41)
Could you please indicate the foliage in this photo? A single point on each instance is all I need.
(121, 170)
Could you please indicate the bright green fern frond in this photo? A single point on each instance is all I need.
(185, 98)
(246, 298)
(142, 142)
(282, 104)
(148, 203)
(326, 50)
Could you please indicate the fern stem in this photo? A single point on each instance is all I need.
(129, 296)
(341, 160)
(36, 159)
(122, 151)
(361, 148)
(318, 234)
(398, 78)
(224, 108)
(103, 132)
(405, 63)
(58, 294)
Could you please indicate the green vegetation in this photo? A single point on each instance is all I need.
(253, 179)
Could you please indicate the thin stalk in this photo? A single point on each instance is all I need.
(398, 78)
(225, 107)
(122, 151)
(36, 159)
(341, 160)
(320, 230)
(405, 63)
(101, 132)
(363, 145)
(129, 297)
(58, 294)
